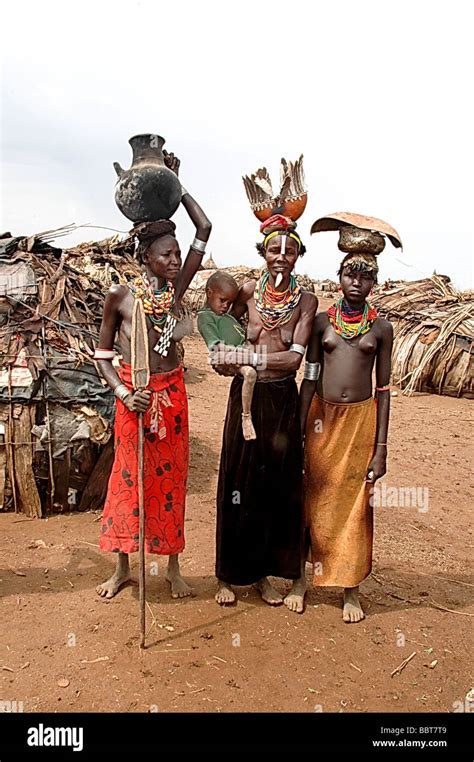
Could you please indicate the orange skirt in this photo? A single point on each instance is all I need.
(339, 446)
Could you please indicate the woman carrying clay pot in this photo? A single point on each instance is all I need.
(160, 287)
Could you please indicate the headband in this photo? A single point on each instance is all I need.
(282, 232)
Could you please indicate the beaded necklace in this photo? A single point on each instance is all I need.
(275, 307)
(157, 303)
(350, 323)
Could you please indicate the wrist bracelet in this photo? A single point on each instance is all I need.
(381, 444)
(121, 392)
(312, 371)
(184, 192)
(199, 245)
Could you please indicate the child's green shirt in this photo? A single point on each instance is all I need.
(219, 328)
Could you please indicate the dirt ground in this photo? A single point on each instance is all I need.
(62, 648)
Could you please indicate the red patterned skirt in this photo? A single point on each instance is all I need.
(166, 457)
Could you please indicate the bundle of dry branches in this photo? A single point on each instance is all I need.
(434, 335)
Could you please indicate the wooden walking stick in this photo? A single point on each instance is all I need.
(140, 380)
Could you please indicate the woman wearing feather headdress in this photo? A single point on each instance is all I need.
(259, 520)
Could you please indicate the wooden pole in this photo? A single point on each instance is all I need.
(140, 379)
(52, 484)
(141, 531)
(11, 438)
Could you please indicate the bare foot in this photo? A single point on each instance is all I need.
(120, 576)
(225, 595)
(247, 427)
(295, 598)
(268, 593)
(352, 611)
(179, 588)
(111, 587)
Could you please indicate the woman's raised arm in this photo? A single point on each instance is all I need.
(203, 231)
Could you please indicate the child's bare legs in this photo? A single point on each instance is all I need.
(250, 376)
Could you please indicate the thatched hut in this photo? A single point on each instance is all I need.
(434, 335)
(56, 414)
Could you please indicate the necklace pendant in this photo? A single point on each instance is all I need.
(163, 344)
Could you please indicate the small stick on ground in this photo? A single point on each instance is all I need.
(403, 664)
(446, 579)
(19, 521)
(94, 661)
(374, 576)
(405, 600)
(451, 611)
(153, 620)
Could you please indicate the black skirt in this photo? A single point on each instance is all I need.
(259, 505)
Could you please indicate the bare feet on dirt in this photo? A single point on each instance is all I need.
(352, 611)
(120, 577)
(225, 595)
(179, 588)
(294, 601)
(268, 592)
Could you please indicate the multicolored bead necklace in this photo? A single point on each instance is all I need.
(275, 307)
(350, 323)
(157, 303)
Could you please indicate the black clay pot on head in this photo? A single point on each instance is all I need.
(147, 191)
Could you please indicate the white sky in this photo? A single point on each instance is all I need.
(377, 95)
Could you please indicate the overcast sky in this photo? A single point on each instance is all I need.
(376, 95)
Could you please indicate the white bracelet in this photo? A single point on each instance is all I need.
(184, 192)
(104, 354)
(298, 348)
(121, 392)
(199, 245)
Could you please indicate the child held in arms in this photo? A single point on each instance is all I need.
(218, 327)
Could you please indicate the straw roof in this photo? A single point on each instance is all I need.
(434, 335)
